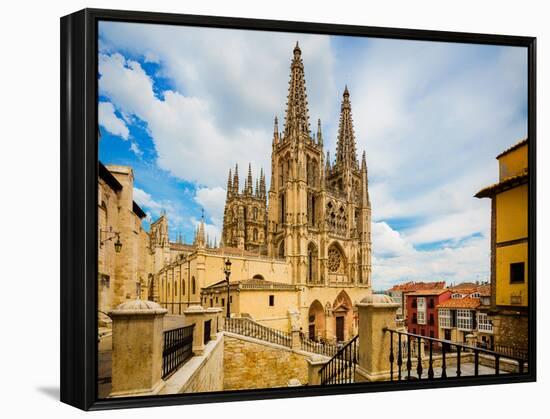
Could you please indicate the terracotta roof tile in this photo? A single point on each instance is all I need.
(416, 286)
(471, 303)
(429, 292)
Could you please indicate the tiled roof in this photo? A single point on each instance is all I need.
(471, 303)
(506, 184)
(429, 292)
(416, 286)
(514, 147)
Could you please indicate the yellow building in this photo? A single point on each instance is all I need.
(509, 247)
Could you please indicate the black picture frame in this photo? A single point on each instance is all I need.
(79, 170)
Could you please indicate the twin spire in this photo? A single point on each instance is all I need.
(233, 185)
(346, 154)
(297, 116)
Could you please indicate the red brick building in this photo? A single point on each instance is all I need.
(422, 315)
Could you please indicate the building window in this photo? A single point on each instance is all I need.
(255, 213)
(464, 320)
(475, 295)
(432, 321)
(483, 323)
(421, 304)
(223, 302)
(445, 318)
(175, 288)
(414, 319)
(413, 303)
(271, 300)
(230, 299)
(517, 272)
(456, 296)
(211, 303)
(255, 234)
(431, 303)
(193, 285)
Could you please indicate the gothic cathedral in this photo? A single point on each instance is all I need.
(318, 214)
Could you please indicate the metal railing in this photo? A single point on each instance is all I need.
(248, 327)
(341, 367)
(407, 349)
(326, 349)
(505, 351)
(178, 348)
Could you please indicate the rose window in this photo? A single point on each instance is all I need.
(334, 260)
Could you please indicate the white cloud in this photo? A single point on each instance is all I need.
(155, 208)
(213, 201)
(395, 260)
(135, 148)
(109, 120)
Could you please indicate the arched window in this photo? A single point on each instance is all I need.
(282, 208)
(258, 276)
(183, 287)
(255, 235)
(312, 261)
(175, 288)
(193, 285)
(282, 249)
(255, 213)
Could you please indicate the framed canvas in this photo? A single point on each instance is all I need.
(258, 209)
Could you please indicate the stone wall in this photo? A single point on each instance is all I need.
(511, 329)
(249, 364)
(200, 373)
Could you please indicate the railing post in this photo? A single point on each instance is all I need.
(137, 348)
(376, 314)
(314, 365)
(196, 315)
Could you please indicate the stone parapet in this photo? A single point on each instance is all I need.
(137, 348)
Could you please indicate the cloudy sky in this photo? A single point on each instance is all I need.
(182, 105)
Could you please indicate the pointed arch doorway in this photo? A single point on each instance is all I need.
(343, 317)
(316, 321)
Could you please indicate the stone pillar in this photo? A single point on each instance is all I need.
(214, 314)
(294, 327)
(471, 340)
(137, 348)
(376, 312)
(196, 315)
(314, 365)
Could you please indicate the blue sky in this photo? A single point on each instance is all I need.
(182, 105)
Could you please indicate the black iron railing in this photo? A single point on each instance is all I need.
(341, 367)
(178, 348)
(248, 327)
(326, 349)
(207, 330)
(408, 350)
(509, 351)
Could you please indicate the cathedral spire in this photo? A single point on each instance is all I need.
(229, 184)
(276, 131)
(297, 118)
(319, 133)
(236, 180)
(345, 147)
(249, 184)
(201, 239)
(262, 184)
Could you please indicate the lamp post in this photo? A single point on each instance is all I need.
(227, 272)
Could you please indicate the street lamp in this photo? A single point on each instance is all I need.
(118, 243)
(227, 272)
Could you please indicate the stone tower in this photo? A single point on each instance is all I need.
(245, 214)
(319, 215)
